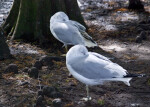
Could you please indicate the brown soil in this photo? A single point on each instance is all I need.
(119, 46)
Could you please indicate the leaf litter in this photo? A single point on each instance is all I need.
(115, 28)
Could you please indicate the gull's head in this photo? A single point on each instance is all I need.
(77, 51)
(59, 16)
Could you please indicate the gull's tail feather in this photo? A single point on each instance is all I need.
(125, 80)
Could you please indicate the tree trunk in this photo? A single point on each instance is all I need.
(136, 5)
(73, 11)
(29, 19)
(4, 50)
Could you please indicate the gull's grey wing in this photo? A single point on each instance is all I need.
(66, 33)
(82, 30)
(95, 68)
(100, 56)
(78, 25)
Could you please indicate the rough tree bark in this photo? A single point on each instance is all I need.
(29, 19)
(4, 50)
(135, 5)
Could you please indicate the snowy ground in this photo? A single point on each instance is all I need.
(5, 6)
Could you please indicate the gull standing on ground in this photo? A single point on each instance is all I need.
(69, 32)
(92, 68)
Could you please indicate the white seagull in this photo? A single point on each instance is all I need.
(69, 32)
(92, 68)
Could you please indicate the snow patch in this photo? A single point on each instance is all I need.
(79, 4)
(22, 50)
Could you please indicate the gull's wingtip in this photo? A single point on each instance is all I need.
(90, 44)
(134, 75)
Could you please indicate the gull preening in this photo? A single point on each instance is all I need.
(69, 32)
(92, 68)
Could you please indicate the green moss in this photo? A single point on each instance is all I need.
(49, 103)
(148, 82)
(100, 102)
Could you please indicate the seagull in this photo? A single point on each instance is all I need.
(92, 68)
(69, 32)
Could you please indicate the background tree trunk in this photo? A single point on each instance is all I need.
(73, 11)
(136, 5)
(30, 19)
(4, 50)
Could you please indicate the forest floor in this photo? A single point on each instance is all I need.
(117, 31)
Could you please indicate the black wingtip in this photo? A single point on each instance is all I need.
(134, 75)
